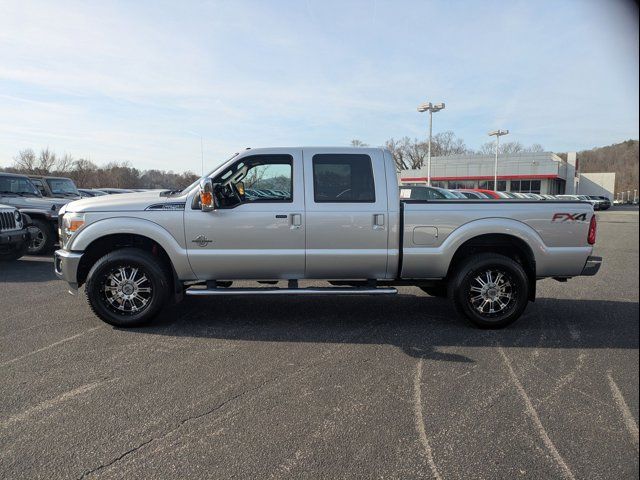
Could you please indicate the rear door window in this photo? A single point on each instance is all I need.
(343, 178)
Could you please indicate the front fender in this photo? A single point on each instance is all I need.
(135, 226)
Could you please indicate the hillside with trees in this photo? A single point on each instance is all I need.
(621, 158)
(87, 174)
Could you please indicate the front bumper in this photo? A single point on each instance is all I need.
(592, 266)
(66, 266)
(14, 239)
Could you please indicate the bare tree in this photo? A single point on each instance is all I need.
(398, 153)
(358, 143)
(25, 160)
(46, 161)
(536, 147)
(509, 148)
(64, 163)
(446, 143)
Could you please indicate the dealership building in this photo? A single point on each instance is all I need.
(540, 172)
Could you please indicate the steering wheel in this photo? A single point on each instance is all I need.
(343, 192)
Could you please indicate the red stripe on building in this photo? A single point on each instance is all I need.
(500, 177)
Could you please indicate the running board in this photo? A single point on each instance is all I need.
(195, 291)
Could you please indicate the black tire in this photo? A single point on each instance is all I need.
(107, 291)
(438, 291)
(477, 303)
(42, 237)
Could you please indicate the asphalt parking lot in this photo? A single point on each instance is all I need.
(369, 387)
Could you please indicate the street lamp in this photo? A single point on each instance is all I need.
(431, 108)
(497, 134)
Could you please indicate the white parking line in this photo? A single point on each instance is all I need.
(629, 420)
(419, 420)
(533, 415)
(55, 344)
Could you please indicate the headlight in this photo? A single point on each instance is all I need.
(18, 216)
(70, 224)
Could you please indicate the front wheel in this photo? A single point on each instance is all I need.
(42, 237)
(127, 288)
(490, 290)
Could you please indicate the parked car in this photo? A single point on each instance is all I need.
(603, 202)
(20, 192)
(114, 191)
(488, 193)
(473, 194)
(586, 198)
(55, 187)
(532, 196)
(14, 236)
(507, 195)
(87, 192)
(342, 220)
(420, 192)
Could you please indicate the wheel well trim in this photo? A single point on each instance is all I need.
(136, 227)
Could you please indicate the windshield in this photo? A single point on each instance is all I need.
(18, 186)
(62, 186)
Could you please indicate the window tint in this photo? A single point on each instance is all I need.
(340, 178)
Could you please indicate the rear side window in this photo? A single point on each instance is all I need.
(343, 178)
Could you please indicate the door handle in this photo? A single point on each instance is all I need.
(378, 221)
(296, 220)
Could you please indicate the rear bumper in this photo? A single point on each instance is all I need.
(66, 265)
(592, 266)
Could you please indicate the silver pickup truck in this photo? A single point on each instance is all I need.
(280, 215)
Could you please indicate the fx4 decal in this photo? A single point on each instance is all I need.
(569, 217)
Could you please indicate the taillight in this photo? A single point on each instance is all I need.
(593, 226)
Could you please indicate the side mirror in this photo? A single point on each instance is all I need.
(207, 197)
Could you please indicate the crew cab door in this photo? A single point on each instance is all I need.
(347, 216)
(261, 237)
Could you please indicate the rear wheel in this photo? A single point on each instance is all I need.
(128, 287)
(490, 290)
(42, 237)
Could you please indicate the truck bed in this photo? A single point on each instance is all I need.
(433, 230)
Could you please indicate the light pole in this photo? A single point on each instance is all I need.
(497, 134)
(429, 107)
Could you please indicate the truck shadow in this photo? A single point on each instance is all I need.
(422, 327)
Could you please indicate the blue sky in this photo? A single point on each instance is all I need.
(140, 81)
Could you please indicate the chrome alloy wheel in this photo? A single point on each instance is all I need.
(491, 292)
(127, 290)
